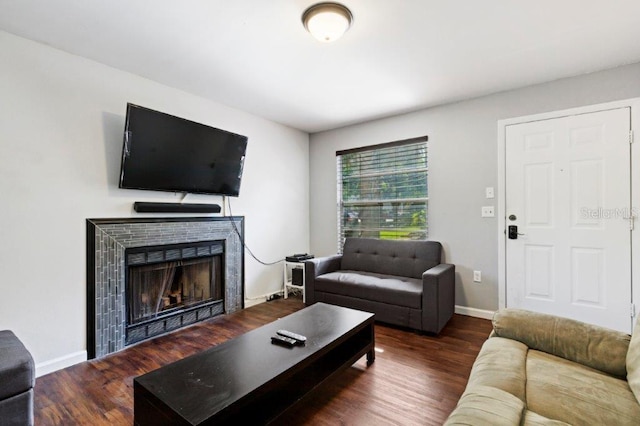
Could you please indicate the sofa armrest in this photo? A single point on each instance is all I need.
(314, 268)
(438, 296)
(591, 345)
(487, 406)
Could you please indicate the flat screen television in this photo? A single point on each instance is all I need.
(162, 152)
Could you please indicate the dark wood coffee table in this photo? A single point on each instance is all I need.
(249, 379)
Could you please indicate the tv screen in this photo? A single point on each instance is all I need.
(162, 152)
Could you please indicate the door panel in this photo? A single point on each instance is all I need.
(568, 184)
(539, 272)
(539, 194)
(587, 276)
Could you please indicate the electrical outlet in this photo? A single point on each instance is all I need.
(477, 276)
(488, 211)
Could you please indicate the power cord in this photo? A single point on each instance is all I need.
(242, 238)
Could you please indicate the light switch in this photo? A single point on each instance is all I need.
(489, 191)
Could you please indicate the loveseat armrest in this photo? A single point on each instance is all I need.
(314, 268)
(591, 345)
(438, 297)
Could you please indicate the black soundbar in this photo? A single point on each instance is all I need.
(148, 207)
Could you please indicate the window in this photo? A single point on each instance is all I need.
(382, 191)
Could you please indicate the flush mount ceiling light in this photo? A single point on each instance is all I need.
(327, 22)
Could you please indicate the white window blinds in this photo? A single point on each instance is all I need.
(382, 191)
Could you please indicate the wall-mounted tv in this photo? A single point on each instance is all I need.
(162, 152)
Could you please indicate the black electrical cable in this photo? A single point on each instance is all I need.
(242, 239)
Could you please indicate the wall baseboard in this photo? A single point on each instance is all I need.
(56, 364)
(473, 312)
(252, 302)
(260, 299)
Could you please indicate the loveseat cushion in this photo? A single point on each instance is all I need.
(633, 361)
(390, 257)
(590, 345)
(487, 406)
(17, 373)
(401, 291)
(560, 389)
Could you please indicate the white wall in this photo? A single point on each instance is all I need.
(61, 124)
(462, 162)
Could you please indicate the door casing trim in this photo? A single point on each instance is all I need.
(634, 105)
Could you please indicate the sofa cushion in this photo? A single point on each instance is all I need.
(535, 419)
(501, 364)
(16, 366)
(390, 257)
(633, 361)
(487, 406)
(590, 345)
(392, 290)
(563, 390)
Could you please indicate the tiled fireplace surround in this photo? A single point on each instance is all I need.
(107, 241)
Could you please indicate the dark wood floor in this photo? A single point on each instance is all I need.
(416, 379)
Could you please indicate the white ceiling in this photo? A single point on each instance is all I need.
(398, 56)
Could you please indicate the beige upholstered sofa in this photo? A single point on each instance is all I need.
(539, 369)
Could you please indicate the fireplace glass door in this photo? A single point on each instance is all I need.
(162, 288)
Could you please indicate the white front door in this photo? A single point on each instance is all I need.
(568, 192)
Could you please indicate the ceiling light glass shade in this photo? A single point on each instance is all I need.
(327, 22)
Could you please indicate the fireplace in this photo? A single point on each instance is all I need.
(146, 277)
(171, 286)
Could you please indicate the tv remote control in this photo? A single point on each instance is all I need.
(298, 337)
(284, 341)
